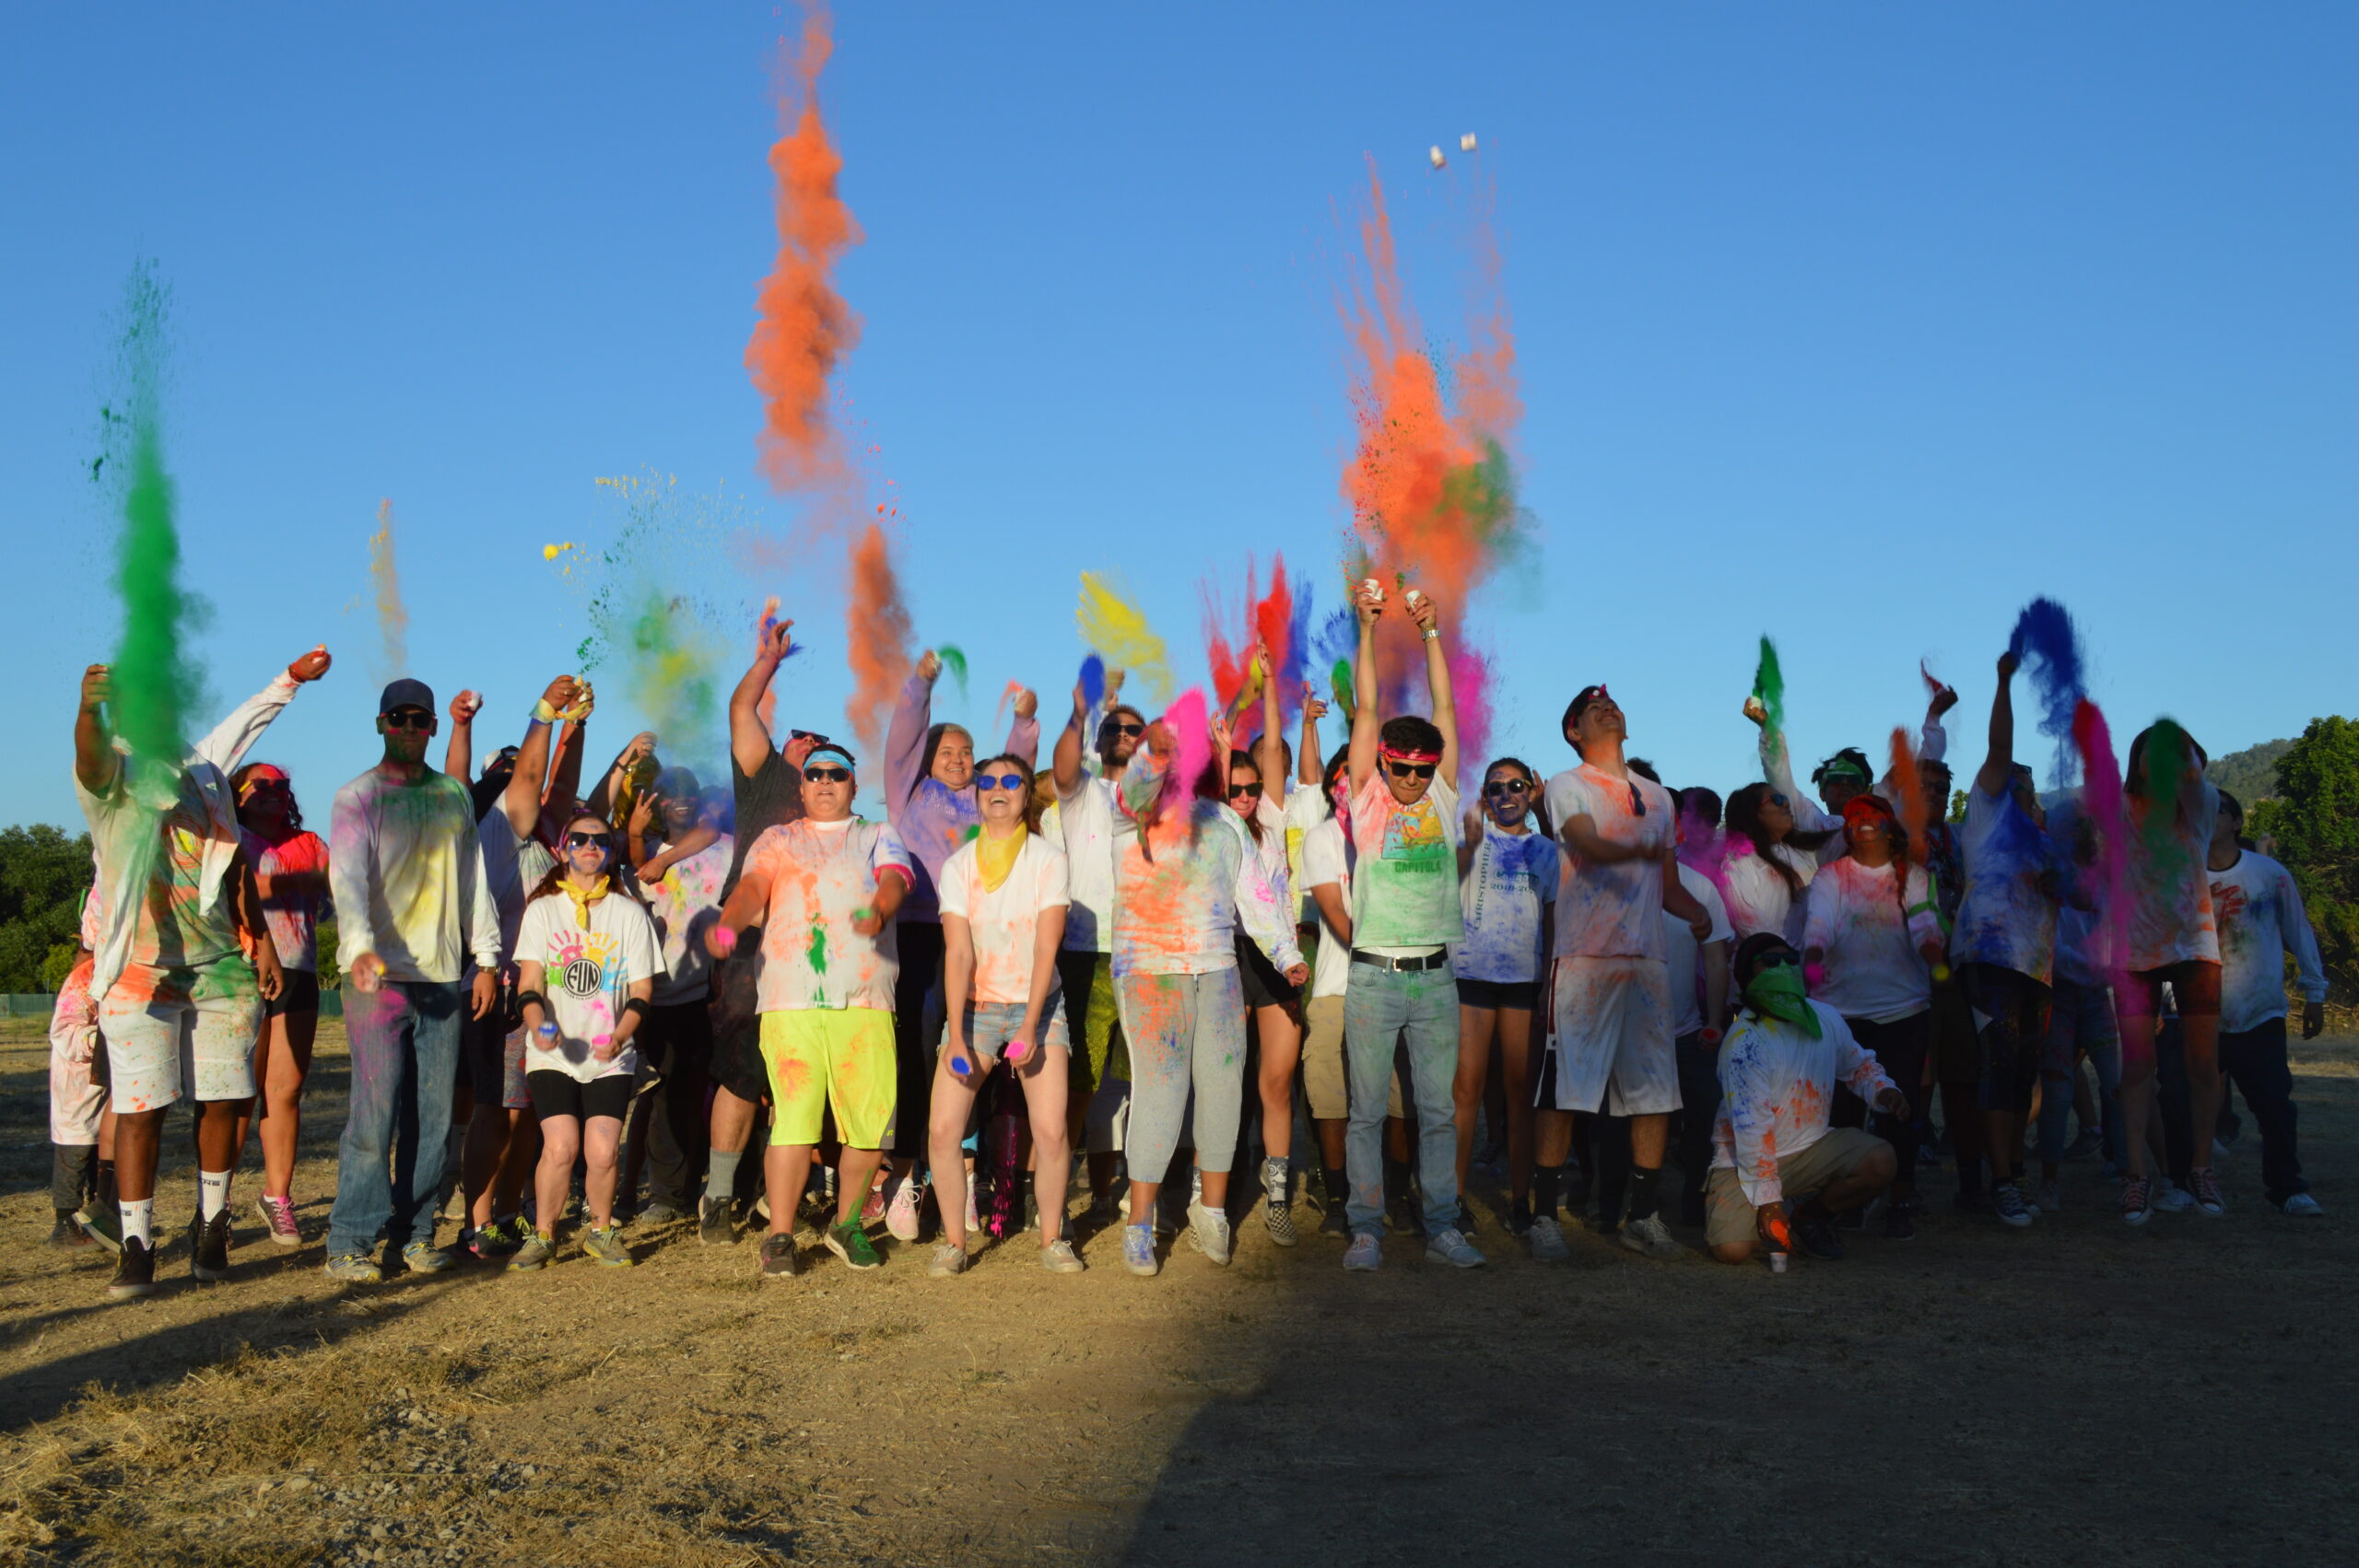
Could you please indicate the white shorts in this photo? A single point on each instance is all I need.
(1611, 1040)
(173, 1030)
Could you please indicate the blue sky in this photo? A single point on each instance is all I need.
(1857, 325)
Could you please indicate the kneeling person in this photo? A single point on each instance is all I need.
(1778, 1075)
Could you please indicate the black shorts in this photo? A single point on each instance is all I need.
(2013, 1008)
(735, 1008)
(1264, 985)
(299, 994)
(492, 1076)
(676, 1038)
(561, 1094)
(1521, 994)
(2195, 990)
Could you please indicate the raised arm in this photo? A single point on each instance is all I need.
(94, 756)
(1271, 748)
(1309, 762)
(1365, 721)
(1996, 772)
(231, 739)
(565, 778)
(521, 800)
(905, 741)
(1024, 729)
(613, 785)
(459, 756)
(1445, 704)
(1065, 762)
(750, 737)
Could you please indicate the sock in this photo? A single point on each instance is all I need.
(1338, 1186)
(1277, 1178)
(211, 1193)
(1643, 1202)
(721, 1174)
(139, 1221)
(1545, 1180)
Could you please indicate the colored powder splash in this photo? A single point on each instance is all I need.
(1430, 485)
(158, 683)
(2102, 802)
(2167, 754)
(385, 581)
(999, 715)
(1933, 686)
(1908, 783)
(2048, 647)
(1093, 682)
(1269, 620)
(1470, 689)
(1113, 625)
(1770, 687)
(1190, 720)
(803, 327)
(1339, 687)
(817, 953)
(877, 640)
(953, 658)
(671, 672)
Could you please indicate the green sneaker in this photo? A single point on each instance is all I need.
(354, 1268)
(425, 1257)
(605, 1246)
(534, 1254)
(850, 1242)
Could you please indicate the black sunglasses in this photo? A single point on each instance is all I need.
(1507, 787)
(1780, 959)
(270, 787)
(1412, 769)
(1251, 791)
(407, 718)
(1112, 728)
(1778, 801)
(999, 781)
(589, 841)
(828, 775)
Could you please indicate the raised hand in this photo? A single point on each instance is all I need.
(97, 685)
(928, 666)
(1755, 711)
(558, 695)
(313, 665)
(464, 707)
(1027, 703)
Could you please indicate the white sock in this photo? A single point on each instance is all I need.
(138, 1219)
(211, 1193)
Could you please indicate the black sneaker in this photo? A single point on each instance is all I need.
(1818, 1238)
(1852, 1220)
(779, 1258)
(67, 1233)
(1333, 1222)
(1520, 1216)
(208, 1243)
(714, 1225)
(1900, 1223)
(1465, 1219)
(135, 1271)
(102, 1222)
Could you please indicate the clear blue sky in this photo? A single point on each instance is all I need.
(1856, 324)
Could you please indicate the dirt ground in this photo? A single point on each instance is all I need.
(2079, 1392)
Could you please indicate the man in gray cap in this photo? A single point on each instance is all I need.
(413, 906)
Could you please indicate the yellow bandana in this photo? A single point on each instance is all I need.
(997, 857)
(582, 901)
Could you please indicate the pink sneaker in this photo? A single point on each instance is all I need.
(278, 1214)
(872, 1208)
(902, 1216)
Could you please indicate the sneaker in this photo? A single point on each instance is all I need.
(1401, 1217)
(901, 1216)
(2173, 1199)
(135, 1271)
(1466, 1226)
(1900, 1221)
(1366, 1255)
(2137, 1201)
(278, 1220)
(1138, 1250)
(1277, 1193)
(1103, 1212)
(208, 1258)
(533, 1256)
(1058, 1258)
(659, 1211)
(1208, 1233)
(2007, 1203)
(974, 1220)
(1547, 1239)
(2207, 1192)
(873, 1205)
(1453, 1248)
(604, 1246)
(1817, 1238)
(714, 1225)
(2220, 1146)
(102, 1225)
(1650, 1236)
(1278, 1220)
(1333, 1220)
(850, 1242)
(949, 1258)
(2301, 1206)
(425, 1257)
(68, 1232)
(499, 1239)
(2051, 1197)
(2086, 1145)
(353, 1269)
(779, 1260)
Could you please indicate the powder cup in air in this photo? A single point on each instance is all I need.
(1435, 153)
(1371, 591)
(1414, 598)
(1466, 142)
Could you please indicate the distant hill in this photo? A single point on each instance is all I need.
(2251, 774)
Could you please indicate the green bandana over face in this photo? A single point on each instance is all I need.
(1778, 992)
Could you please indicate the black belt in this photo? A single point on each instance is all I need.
(1404, 965)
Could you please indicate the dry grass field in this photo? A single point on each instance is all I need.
(2076, 1393)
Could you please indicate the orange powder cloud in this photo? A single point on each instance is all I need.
(877, 624)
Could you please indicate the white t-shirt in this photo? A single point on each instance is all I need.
(1087, 819)
(1874, 969)
(688, 904)
(586, 973)
(1614, 910)
(2168, 891)
(1304, 810)
(1759, 899)
(1272, 851)
(2261, 920)
(1004, 922)
(1687, 954)
(1510, 879)
(2005, 917)
(1322, 863)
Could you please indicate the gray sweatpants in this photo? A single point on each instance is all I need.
(1184, 1031)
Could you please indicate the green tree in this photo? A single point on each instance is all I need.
(1957, 806)
(2315, 820)
(44, 874)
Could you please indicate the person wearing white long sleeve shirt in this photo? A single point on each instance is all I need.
(2259, 911)
(1778, 1070)
(1841, 777)
(413, 906)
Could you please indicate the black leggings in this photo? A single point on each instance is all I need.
(920, 946)
(1899, 1046)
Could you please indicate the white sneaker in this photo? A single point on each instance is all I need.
(1366, 1255)
(1208, 1231)
(1652, 1237)
(2173, 1199)
(2301, 1206)
(974, 1221)
(1547, 1239)
(1451, 1247)
(2051, 1197)
(902, 1215)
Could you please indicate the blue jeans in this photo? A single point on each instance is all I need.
(404, 1040)
(1418, 1010)
(2080, 1023)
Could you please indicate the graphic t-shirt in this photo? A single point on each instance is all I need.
(2005, 917)
(2261, 920)
(822, 877)
(586, 973)
(1685, 954)
(1323, 865)
(1005, 922)
(293, 918)
(687, 900)
(1874, 969)
(1611, 911)
(1510, 879)
(1404, 886)
(2168, 892)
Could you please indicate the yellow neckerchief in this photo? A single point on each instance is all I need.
(997, 857)
(582, 901)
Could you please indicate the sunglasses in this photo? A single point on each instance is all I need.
(1245, 792)
(999, 781)
(1502, 787)
(407, 718)
(1778, 801)
(589, 841)
(828, 775)
(269, 787)
(1125, 730)
(1779, 960)
(1412, 769)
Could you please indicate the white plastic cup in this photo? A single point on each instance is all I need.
(1777, 1263)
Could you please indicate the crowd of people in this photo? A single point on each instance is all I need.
(573, 1011)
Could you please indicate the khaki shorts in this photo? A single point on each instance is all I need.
(1729, 1218)
(1323, 1082)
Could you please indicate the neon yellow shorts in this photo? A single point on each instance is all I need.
(822, 1057)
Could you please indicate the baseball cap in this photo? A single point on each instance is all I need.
(406, 693)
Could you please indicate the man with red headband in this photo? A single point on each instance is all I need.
(1612, 1017)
